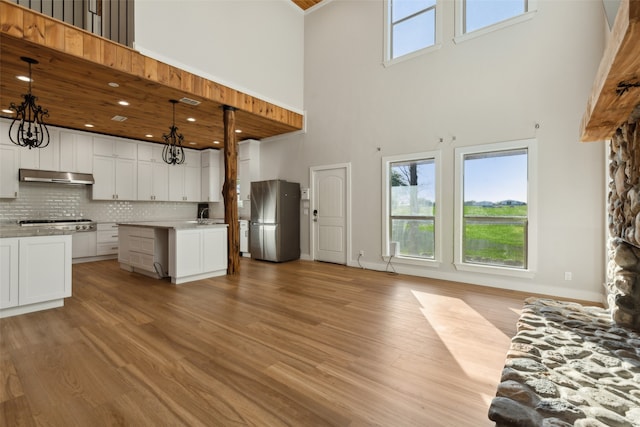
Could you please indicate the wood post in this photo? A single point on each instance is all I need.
(229, 190)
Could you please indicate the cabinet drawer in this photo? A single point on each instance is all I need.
(143, 232)
(108, 248)
(142, 244)
(107, 236)
(143, 261)
(105, 226)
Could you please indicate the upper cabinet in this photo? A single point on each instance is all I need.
(248, 167)
(211, 176)
(47, 158)
(184, 179)
(153, 173)
(114, 147)
(114, 169)
(76, 152)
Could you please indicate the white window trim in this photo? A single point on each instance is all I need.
(532, 202)
(386, 161)
(460, 36)
(387, 60)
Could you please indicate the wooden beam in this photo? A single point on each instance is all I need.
(607, 108)
(229, 189)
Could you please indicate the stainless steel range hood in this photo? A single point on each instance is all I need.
(36, 175)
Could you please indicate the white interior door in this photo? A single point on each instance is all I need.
(329, 215)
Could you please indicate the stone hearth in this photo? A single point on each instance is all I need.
(569, 365)
(623, 248)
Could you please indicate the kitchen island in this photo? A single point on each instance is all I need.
(182, 250)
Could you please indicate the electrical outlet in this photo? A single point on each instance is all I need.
(568, 275)
(361, 252)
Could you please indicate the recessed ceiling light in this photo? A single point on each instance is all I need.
(216, 142)
(113, 84)
(149, 135)
(88, 125)
(192, 143)
(123, 103)
(238, 131)
(7, 111)
(191, 119)
(24, 78)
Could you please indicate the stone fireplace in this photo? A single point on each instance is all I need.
(623, 245)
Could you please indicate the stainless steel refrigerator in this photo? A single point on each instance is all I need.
(274, 231)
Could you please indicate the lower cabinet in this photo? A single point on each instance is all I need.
(35, 273)
(107, 239)
(143, 250)
(197, 253)
(84, 244)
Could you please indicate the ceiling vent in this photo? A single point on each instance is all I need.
(189, 101)
(118, 118)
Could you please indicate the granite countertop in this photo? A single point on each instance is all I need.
(177, 225)
(14, 230)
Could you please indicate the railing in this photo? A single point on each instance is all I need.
(111, 19)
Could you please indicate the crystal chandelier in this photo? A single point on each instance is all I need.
(28, 128)
(173, 153)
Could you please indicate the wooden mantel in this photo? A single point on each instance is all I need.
(610, 104)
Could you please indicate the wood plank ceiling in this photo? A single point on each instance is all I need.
(616, 90)
(72, 80)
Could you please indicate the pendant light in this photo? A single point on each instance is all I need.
(173, 153)
(28, 128)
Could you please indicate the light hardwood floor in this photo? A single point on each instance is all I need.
(298, 343)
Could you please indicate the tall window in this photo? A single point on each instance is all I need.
(412, 26)
(494, 225)
(478, 14)
(411, 204)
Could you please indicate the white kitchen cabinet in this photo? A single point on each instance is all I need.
(248, 167)
(146, 250)
(196, 254)
(83, 244)
(211, 176)
(115, 178)
(41, 265)
(8, 272)
(107, 239)
(153, 173)
(76, 152)
(9, 165)
(114, 147)
(47, 158)
(45, 268)
(153, 181)
(185, 179)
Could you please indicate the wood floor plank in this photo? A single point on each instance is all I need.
(291, 344)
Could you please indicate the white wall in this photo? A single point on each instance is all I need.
(255, 46)
(489, 89)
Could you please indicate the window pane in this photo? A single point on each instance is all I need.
(482, 13)
(413, 34)
(412, 207)
(415, 237)
(412, 186)
(400, 9)
(495, 208)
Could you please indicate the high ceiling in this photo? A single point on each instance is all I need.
(72, 80)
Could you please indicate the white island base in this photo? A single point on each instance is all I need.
(197, 254)
(179, 249)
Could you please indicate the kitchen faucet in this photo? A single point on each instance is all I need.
(202, 213)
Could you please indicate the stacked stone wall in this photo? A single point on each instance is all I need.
(623, 246)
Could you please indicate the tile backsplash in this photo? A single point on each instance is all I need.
(53, 201)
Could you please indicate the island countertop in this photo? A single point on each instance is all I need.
(174, 224)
